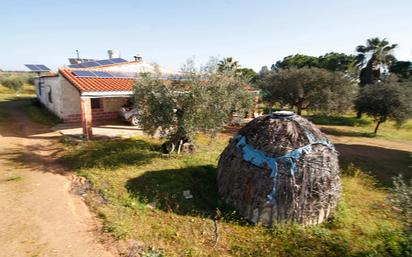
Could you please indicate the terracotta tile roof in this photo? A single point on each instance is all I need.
(98, 84)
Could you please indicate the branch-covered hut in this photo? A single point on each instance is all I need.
(280, 168)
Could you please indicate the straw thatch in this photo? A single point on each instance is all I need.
(280, 168)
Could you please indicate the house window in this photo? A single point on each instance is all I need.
(95, 102)
(50, 95)
(39, 89)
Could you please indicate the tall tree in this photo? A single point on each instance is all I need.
(372, 58)
(388, 100)
(249, 74)
(228, 64)
(296, 61)
(203, 102)
(402, 69)
(337, 62)
(330, 61)
(309, 89)
(263, 71)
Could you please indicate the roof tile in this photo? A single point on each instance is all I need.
(98, 84)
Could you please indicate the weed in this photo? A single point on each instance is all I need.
(14, 178)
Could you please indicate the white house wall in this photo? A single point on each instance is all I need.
(66, 101)
(50, 84)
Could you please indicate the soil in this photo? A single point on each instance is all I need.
(39, 216)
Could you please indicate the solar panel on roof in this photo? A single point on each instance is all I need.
(84, 73)
(37, 67)
(102, 74)
(104, 62)
(77, 60)
(118, 60)
(118, 74)
(43, 67)
(88, 64)
(74, 66)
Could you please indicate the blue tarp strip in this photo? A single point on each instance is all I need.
(260, 159)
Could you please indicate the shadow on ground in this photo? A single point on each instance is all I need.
(382, 163)
(339, 132)
(164, 189)
(112, 154)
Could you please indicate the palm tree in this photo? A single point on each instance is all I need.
(228, 64)
(372, 57)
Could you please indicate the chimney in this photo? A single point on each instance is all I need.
(113, 54)
(138, 58)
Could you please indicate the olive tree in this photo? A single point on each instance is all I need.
(13, 82)
(388, 100)
(309, 89)
(201, 101)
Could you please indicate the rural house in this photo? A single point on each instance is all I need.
(92, 90)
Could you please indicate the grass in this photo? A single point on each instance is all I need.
(27, 89)
(141, 198)
(346, 120)
(14, 178)
(349, 126)
(39, 114)
(26, 102)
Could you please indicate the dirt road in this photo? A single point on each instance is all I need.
(38, 214)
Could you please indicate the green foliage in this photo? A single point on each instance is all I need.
(13, 82)
(228, 64)
(386, 100)
(249, 74)
(401, 68)
(309, 89)
(330, 61)
(402, 197)
(339, 120)
(296, 61)
(372, 58)
(41, 115)
(205, 102)
(363, 224)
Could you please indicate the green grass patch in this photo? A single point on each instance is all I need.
(143, 200)
(39, 114)
(340, 120)
(14, 178)
(26, 90)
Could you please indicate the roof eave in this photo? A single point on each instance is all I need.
(106, 94)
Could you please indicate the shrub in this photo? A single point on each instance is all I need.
(12, 82)
(402, 197)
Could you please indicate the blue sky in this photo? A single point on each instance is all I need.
(256, 33)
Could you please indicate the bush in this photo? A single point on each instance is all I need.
(12, 82)
(402, 197)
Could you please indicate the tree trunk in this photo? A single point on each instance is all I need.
(299, 111)
(359, 114)
(377, 127)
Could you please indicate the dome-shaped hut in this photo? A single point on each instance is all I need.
(280, 168)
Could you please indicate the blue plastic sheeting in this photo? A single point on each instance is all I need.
(260, 159)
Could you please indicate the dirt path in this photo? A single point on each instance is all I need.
(38, 214)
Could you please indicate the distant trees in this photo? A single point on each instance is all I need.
(403, 69)
(203, 102)
(13, 82)
(309, 89)
(388, 100)
(330, 61)
(372, 58)
(230, 65)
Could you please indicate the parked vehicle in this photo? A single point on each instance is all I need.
(129, 114)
